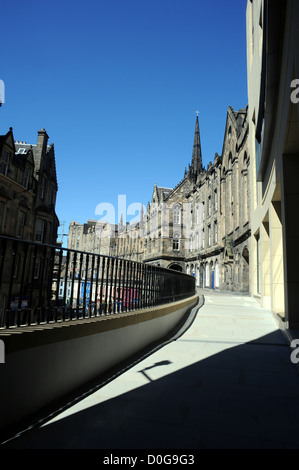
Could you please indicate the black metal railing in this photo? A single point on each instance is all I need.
(42, 283)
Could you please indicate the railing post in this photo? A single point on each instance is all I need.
(79, 286)
(85, 285)
(110, 308)
(91, 287)
(97, 286)
(102, 285)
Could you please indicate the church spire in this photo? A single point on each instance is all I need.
(196, 166)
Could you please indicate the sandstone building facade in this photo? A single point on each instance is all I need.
(273, 116)
(28, 189)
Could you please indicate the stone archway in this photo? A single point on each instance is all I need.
(207, 275)
(217, 274)
(201, 276)
(176, 267)
(245, 269)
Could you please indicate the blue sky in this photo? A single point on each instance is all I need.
(116, 84)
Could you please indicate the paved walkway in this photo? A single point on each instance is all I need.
(228, 382)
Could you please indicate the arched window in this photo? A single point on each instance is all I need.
(230, 158)
(176, 214)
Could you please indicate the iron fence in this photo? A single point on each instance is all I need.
(42, 283)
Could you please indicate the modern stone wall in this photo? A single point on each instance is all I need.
(47, 362)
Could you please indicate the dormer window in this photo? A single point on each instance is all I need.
(21, 150)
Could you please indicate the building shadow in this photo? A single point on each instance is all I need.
(246, 396)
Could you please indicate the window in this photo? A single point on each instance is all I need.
(16, 266)
(197, 240)
(36, 268)
(215, 200)
(40, 230)
(21, 150)
(52, 196)
(4, 163)
(176, 244)
(176, 215)
(191, 243)
(197, 214)
(209, 206)
(1, 215)
(209, 234)
(21, 224)
(43, 188)
(215, 231)
(203, 211)
(203, 238)
(26, 177)
(49, 232)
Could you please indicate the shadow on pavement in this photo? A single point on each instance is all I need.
(246, 396)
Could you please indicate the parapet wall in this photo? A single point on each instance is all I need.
(46, 362)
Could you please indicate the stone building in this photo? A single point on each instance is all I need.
(166, 223)
(273, 116)
(218, 252)
(28, 188)
(200, 227)
(93, 237)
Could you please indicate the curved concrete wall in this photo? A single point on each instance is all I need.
(46, 362)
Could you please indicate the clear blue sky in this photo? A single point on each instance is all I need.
(116, 84)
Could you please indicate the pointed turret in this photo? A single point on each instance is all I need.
(196, 156)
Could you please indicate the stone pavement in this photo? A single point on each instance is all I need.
(228, 382)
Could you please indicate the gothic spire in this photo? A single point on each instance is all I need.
(196, 166)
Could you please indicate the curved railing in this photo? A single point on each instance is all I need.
(42, 283)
